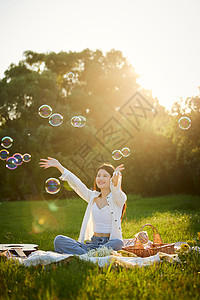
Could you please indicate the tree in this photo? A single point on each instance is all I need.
(164, 158)
(39, 79)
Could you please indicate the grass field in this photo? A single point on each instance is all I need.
(177, 218)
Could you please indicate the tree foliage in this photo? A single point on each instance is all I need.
(164, 159)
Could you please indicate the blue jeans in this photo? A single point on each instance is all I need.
(67, 245)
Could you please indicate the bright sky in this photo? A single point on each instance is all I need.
(159, 37)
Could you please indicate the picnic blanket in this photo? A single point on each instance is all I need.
(41, 257)
(48, 257)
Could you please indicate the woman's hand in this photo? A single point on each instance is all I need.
(119, 168)
(117, 173)
(51, 162)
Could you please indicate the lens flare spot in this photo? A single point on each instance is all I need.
(41, 221)
(52, 207)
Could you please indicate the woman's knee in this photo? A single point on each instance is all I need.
(58, 239)
(117, 244)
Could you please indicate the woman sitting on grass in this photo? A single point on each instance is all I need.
(101, 224)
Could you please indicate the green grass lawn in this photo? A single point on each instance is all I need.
(177, 218)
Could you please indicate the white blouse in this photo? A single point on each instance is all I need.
(115, 200)
(102, 219)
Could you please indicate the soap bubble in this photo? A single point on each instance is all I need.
(184, 123)
(4, 154)
(55, 119)
(11, 163)
(116, 155)
(70, 75)
(19, 158)
(78, 121)
(52, 185)
(75, 121)
(26, 157)
(45, 111)
(82, 121)
(126, 152)
(6, 142)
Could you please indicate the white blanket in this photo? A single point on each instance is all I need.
(48, 257)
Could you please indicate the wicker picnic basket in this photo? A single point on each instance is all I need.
(156, 247)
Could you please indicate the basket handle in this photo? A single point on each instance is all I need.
(156, 236)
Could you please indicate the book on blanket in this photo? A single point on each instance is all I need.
(20, 250)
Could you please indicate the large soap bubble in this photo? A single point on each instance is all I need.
(11, 163)
(4, 154)
(6, 142)
(184, 123)
(45, 111)
(56, 119)
(52, 185)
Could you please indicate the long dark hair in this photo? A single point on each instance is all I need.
(110, 169)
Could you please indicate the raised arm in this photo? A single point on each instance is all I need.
(117, 174)
(51, 162)
(76, 184)
(115, 185)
